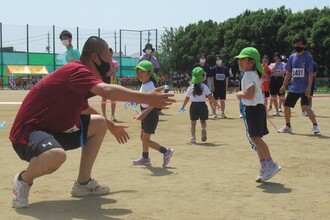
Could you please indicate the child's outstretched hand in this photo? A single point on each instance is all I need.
(239, 95)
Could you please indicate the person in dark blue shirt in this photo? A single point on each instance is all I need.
(220, 75)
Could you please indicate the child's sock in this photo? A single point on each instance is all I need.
(145, 155)
(270, 161)
(263, 164)
(163, 150)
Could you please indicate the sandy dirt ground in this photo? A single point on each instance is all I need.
(211, 180)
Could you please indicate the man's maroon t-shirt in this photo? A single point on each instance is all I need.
(55, 102)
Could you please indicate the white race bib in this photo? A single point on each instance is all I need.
(219, 76)
(298, 72)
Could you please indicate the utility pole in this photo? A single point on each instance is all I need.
(148, 36)
(48, 43)
(115, 42)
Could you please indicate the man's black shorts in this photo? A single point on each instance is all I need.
(292, 98)
(40, 141)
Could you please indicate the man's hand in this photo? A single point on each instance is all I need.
(118, 131)
(160, 100)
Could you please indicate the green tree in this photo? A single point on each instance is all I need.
(166, 51)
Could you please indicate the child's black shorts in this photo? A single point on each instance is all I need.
(256, 120)
(150, 122)
(198, 110)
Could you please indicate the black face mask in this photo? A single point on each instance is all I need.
(298, 49)
(103, 68)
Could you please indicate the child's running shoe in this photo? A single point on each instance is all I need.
(261, 173)
(271, 170)
(141, 161)
(167, 156)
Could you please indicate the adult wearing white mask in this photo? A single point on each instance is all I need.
(71, 54)
(207, 69)
(221, 77)
(148, 50)
(209, 81)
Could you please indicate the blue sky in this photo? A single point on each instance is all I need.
(132, 14)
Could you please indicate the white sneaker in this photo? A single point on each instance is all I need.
(271, 170)
(214, 115)
(92, 188)
(20, 193)
(113, 118)
(261, 173)
(240, 116)
(193, 140)
(280, 110)
(304, 114)
(276, 114)
(316, 129)
(285, 129)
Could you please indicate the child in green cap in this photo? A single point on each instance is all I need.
(255, 111)
(150, 117)
(197, 93)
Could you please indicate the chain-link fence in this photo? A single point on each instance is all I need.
(39, 45)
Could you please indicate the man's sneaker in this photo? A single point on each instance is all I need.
(204, 137)
(316, 129)
(276, 114)
(113, 118)
(304, 114)
(167, 156)
(20, 193)
(280, 110)
(91, 188)
(223, 115)
(141, 161)
(261, 173)
(240, 116)
(285, 129)
(214, 115)
(271, 170)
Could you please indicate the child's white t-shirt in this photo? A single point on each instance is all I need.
(251, 78)
(198, 98)
(147, 87)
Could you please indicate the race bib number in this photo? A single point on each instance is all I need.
(220, 76)
(298, 72)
